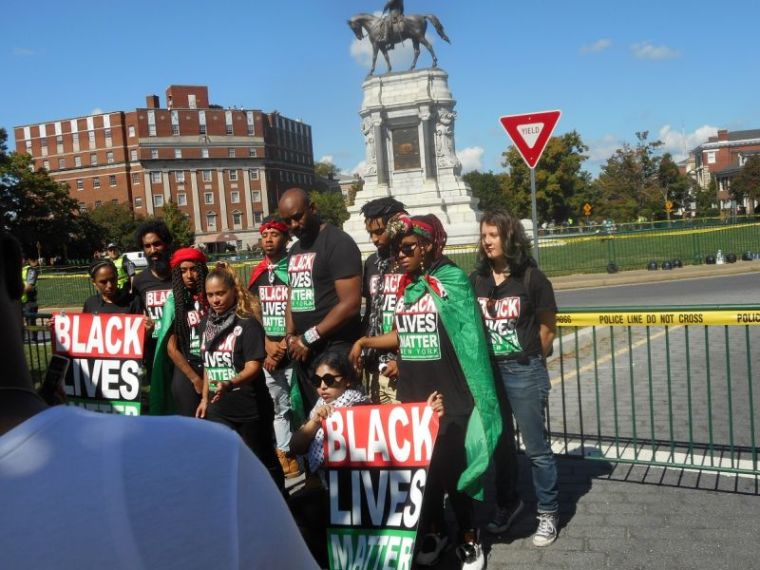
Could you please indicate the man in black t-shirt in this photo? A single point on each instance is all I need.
(379, 286)
(324, 269)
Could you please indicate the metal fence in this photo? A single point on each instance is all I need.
(37, 345)
(668, 387)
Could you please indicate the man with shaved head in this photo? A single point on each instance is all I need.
(324, 270)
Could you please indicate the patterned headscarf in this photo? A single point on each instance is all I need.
(428, 227)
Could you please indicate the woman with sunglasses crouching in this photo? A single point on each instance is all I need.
(232, 346)
(518, 306)
(442, 348)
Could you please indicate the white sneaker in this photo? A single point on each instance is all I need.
(470, 552)
(546, 533)
(431, 548)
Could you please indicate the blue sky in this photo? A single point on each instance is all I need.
(679, 69)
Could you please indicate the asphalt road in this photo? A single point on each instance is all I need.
(723, 290)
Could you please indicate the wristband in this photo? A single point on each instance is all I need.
(310, 336)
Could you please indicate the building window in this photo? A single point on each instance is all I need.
(237, 219)
(151, 123)
(711, 157)
(59, 148)
(135, 178)
(98, 203)
(249, 121)
(202, 129)
(96, 182)
(131, 131)
(235, 197)
(107, 133)
(133, 155)
(208, 197)
(151, 130)
(93, 159)
(158, 200)
(191, 101)
(43, 149)
(177, 153)
(181, 199)
(109, 157)
(255, 196)
(112, 180)
(228, 122)
(46, 165)
(252, 151)
(175, 122)
(77, 161)
(233, 175)
(75, 139)
(61, 163)
(91, 137)
(204, 153)
(258, 217)
(109, 140)
(179, 176)
(114, 201)
(253, 173)
(80, 184)
(206, 175)
(155, 177)
(138, 202)
(154, 154)
(231, 152)
(211, 221)
(202, 122)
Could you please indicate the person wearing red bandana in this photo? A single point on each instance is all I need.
(442, 347)
(177, 381)
(269, 282)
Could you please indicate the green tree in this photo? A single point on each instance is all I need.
(674, 186)
(179, 224)
(489, 189)
(326, 170)
(330, 206)
(117, 223)
(562, 186)
(746, 184)
(705, 199)
(37, 209)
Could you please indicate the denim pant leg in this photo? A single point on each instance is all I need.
(527, 387)
(278, 382)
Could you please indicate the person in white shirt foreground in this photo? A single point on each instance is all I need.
(86, 490)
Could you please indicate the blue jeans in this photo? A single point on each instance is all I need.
(527, 389)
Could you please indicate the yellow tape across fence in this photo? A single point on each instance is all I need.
(659, 318)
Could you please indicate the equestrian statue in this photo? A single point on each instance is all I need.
(384, 32)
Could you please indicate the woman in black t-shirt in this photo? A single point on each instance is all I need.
(518, 306)
(232, 346)
(109, 298)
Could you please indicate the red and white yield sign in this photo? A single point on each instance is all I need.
(530, 132)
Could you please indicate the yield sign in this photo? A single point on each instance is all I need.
(531, 132)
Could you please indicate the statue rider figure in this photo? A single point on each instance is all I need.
(395, 9)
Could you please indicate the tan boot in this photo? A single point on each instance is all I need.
(289, 464)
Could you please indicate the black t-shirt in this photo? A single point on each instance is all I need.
(273, 295)
(369, 289)
(313, 271)
(427, 360)
(124, 304)
(152, 293)
(510, 317)
(244, 343)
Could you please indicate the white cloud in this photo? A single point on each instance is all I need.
(471, 158)
(680, 143)
(96, 111)
(598, 46)
(328, 158)
(601, 149)
(359, 168)
(647, 50)
(23, 52)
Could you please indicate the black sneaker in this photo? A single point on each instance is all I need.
(504, 517)
(431, 549)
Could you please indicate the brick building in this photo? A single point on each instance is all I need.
(224, 167)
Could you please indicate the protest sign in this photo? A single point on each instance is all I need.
(376, 462)
(106, 353)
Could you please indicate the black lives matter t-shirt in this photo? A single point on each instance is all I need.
(427, 361)
(370, 287)
(509, 312)
(195, 322)
(273, 295)
(312, 272)
(152, 292)
(244, 343)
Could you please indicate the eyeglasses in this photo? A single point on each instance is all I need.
(491, 303)
(328, 379)
(295, 217)
(408, 248)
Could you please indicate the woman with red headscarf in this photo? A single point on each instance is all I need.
(442, 347)
(177, 381)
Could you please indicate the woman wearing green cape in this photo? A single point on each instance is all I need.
(442, 347)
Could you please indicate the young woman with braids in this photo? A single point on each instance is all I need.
(442, 347)
(109, 298)
(177, 381)
(232, 345)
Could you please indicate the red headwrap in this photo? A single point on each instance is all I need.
(274, 225)
(187, 254)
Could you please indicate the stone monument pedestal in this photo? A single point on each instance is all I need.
(407, 120)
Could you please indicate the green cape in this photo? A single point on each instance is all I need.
(160, 397)
(461, 318)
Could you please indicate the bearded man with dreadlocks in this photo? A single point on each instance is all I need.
(442, 348)
(379, 285)
(177, 381)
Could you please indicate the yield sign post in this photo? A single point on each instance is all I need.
(530, 132)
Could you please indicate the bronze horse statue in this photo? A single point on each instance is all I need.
(411, 27)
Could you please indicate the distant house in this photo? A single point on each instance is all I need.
(342, 183)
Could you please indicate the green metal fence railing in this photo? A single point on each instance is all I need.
(667, 387)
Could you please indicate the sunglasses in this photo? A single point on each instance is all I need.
(295, 217)
(408, 248)
(491, 303)
(328, 379)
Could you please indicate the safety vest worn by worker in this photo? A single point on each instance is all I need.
(121, 272)
(26, 297)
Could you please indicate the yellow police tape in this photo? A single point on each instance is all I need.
(659, 318)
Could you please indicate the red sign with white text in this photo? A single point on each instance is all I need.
(530, 132)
